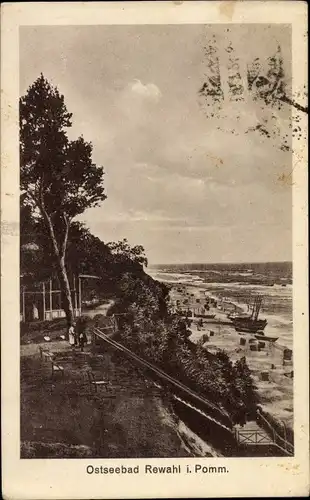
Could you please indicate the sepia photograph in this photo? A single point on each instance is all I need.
(156, 241)
(159, 256)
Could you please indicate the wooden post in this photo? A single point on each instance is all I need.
(114, 324)
(80, 296)
(285, 442)
(23, 304)
(75, 299)
(43, 291)
(237, 436)
(51, 299)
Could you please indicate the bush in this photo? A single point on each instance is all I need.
(154, 334)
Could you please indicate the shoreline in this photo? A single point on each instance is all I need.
(276, 393)
(278, 324)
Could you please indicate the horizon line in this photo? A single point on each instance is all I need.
(212, 263)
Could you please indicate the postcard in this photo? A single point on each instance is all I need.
(154, 250)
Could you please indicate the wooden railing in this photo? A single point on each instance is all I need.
(217, 414)
(267, 435)
(281, 442)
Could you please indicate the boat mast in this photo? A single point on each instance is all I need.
(253, 308)
(259, 304)
(256, 309)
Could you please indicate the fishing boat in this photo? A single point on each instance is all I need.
(250, 323)
(262, 336)
(249, 326)
(247, 329)
(238, 313)
(235, 316)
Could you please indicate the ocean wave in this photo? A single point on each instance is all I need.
(175, 277)
(276, 308)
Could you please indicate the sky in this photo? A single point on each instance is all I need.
(188, 186)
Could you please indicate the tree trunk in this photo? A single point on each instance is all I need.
(59, 252)
(66, 292)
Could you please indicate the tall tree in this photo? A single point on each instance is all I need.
(57, 175)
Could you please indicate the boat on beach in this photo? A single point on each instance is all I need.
(235, 316)
(250, 323)
(247, 325)
(249, 328)
(262, 336)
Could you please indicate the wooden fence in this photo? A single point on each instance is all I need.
(280, 441)
(249, 437)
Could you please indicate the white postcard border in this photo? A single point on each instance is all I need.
(67, 478)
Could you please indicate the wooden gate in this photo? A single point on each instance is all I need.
(250, 437)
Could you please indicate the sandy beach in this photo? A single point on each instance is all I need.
(273, 380)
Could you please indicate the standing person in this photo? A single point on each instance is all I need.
(77, 332)
(35, 312)
(82, 334)
(71, 334)
(83, 340)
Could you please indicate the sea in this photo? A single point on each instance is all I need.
(240, 284)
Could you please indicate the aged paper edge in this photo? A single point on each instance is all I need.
(44, 479)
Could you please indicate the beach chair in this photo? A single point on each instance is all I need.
(96, 383)
(45, 353)
(56, 368)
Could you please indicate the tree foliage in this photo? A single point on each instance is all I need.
(124, 254)
(86, 254)
(163, 338)
(56, 173)
(57, 176)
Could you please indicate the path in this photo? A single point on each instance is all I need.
(102, 309)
